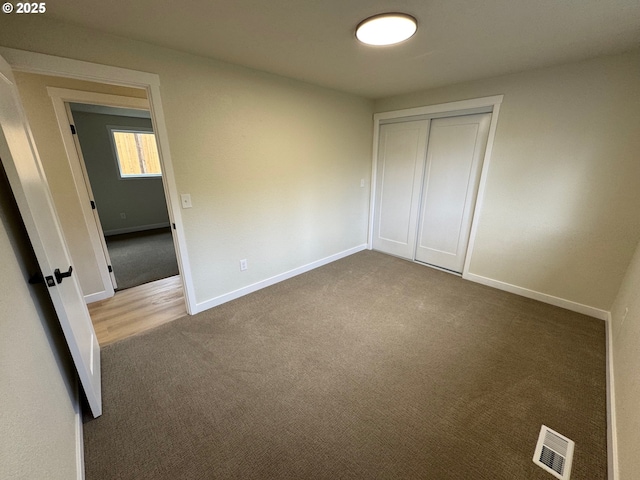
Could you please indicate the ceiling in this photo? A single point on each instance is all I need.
(313, 40)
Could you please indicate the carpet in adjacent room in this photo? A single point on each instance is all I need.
(142, 257)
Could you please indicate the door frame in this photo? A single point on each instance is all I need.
(61, 97)
(38, 63)
(462, 107)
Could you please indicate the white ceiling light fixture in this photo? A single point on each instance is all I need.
(386, 29)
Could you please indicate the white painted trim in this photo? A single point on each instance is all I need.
(374, 181)
(482, 186)
(43, 64)
(542, 297)
(94, 98)
(440, 108)
(227, 297)
(25, 61)
(96, 297)
(173, 199)
(612, 433)
(139, 228)
(79, 433)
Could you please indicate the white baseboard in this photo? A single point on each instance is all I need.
(79, 435)
(542, 297)
(612, 434)
(95, 297)
(227, 297)
(139, 228)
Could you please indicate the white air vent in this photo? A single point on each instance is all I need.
(554, 453)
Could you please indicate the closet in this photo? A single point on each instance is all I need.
(428, 172)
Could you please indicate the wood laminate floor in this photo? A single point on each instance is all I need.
(138, 309)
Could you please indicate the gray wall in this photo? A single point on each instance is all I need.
(140, 199)
(37, 401)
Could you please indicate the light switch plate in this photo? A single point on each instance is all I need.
(186, 200)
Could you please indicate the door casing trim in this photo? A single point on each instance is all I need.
(30, 62)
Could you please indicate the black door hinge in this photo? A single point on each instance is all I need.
(73, 129)
(93, 205)
(174, 225)
(110, 268)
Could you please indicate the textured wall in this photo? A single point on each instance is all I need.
(625, 316)
(562, 193)
(37, 415)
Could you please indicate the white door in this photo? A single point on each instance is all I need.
(454, 163)
(401, 154)
(104, 260)
(28, 182)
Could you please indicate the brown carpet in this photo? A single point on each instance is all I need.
(368, 368)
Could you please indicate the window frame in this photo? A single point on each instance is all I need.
(125, 129)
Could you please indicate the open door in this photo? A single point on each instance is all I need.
(94, 211)
(28, 182)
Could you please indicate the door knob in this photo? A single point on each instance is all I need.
(60, 275)
(38, 278)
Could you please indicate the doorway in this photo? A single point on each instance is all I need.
(121, 182)
(124, 178)
(112, 150)
(37, 203)
(48, 101)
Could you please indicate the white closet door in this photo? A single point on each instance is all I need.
(401, 154)
(454, 162)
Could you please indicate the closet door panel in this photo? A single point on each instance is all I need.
(454, 162)
(401, 155)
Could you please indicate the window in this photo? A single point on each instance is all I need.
(136, 153)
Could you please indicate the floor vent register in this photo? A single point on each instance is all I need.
(554, 453)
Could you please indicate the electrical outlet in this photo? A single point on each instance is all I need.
(362, 183)
(243, 264)
(123, 215)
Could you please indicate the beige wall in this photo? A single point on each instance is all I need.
(273, 165)
(626, 362)
(562, 193)
(46, 133)
(37, 416)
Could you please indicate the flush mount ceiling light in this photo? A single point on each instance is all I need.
(386, 29)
